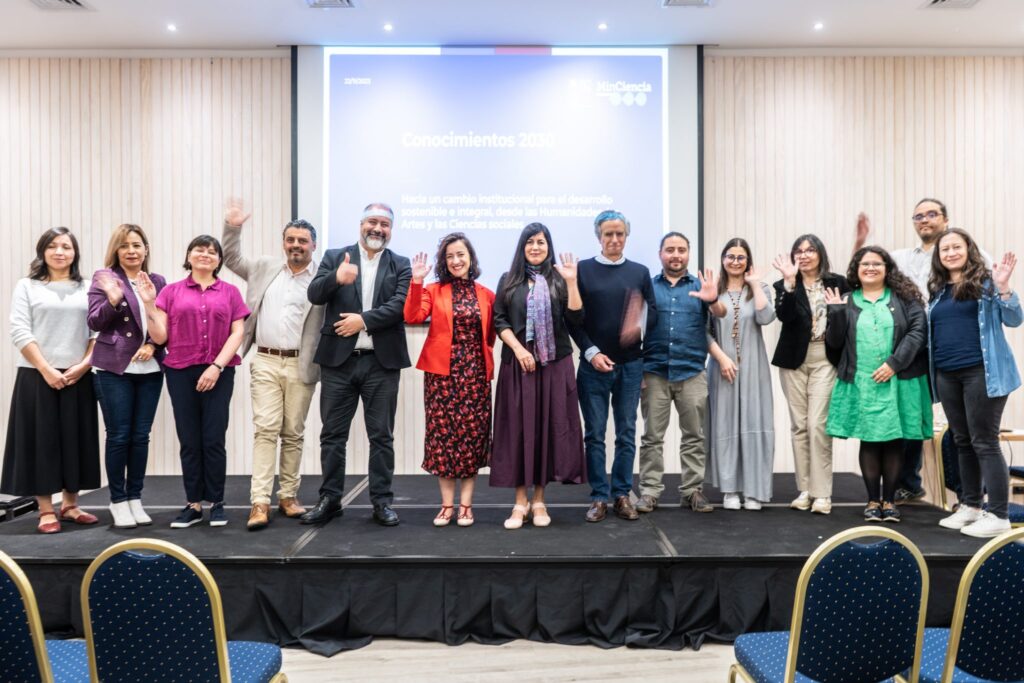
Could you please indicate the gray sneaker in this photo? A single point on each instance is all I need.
(698, 503)
(647, 503)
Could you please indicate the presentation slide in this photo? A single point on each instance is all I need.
(485, 141)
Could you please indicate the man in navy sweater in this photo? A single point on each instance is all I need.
(616, 293)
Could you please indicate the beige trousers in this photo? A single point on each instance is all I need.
(690, 397)
(808, 390)
(280, 402)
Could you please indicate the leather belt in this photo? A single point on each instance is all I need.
(361, 352)
(283, 353)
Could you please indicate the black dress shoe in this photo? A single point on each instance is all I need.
(384, 515)
(326, 508)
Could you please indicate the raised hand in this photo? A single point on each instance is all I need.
(347, 272)
(1002, 271)
(708, 286)
(420, 268)
(567, 267)
(235, 214)
(832, 296)
(752, 277)
(111, 286)
(784, 264)
(863, 230)
(146, 288)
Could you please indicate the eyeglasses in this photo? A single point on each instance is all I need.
(930, 215)
(872, 265)
(809, 251)
(736, 258)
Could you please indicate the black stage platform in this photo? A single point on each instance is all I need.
(671, 579)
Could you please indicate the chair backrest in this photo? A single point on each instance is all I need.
(859, 610)
(986, 638)
(23, 654)
(152, 612)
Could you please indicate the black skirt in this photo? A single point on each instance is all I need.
(53, 439)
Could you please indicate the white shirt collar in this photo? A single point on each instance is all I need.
(601, 258)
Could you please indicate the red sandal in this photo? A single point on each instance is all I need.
(48, 527)
(444, 517)
(82, 517)
(465, 515)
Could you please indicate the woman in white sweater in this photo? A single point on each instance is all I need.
(53, 433)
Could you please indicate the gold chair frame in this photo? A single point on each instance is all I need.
(801, 596)
(197, 567)
(956, 628)
(35, 624)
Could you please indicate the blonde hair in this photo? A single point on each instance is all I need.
(118, 237)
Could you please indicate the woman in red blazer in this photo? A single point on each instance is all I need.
(458, 359)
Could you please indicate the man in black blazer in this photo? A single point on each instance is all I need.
(361, 354)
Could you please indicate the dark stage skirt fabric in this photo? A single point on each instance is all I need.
(53, 441)
(538, 437)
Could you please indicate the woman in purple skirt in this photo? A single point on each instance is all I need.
(538, 438)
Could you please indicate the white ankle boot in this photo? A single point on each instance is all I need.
(123, 518)
(140, 516)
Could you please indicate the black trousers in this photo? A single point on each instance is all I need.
(974, 420)
(201, 420)
(341, 388)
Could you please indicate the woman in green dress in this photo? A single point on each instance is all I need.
(881, 393)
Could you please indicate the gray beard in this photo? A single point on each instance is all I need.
(374, 243)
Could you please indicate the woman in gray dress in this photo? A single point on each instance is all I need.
(742, 433)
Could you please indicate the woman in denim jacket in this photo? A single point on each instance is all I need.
(973, 371)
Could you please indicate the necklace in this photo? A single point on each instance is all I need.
(734, 299)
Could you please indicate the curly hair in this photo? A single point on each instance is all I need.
(973, 276)
(441, 263)
(898, 283)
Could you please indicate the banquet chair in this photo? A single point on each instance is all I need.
(25, 655)
(986, 639)
(152, 612)
(858, 616)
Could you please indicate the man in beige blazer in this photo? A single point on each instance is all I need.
(285, 329)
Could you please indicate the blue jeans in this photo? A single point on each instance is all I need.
(129, 404)
(621, 387)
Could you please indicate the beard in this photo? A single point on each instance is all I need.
(374, 242)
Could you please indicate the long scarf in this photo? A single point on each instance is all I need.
(539, 324)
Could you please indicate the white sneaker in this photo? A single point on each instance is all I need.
(987, 526)
(731, 501)
(752, 504)
(141, 518)
(822, 506)
(961, 518)
(801, 502)
(122, 516)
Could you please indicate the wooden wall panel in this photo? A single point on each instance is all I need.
(802, 144)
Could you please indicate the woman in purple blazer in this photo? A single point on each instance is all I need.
(129, 376)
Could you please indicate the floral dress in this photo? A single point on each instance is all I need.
(458, 405)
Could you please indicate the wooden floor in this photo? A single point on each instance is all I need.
(520, 661)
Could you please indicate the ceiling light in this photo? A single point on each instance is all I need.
(388, 27)
(172, 28)
(602, 26)
(818, 26)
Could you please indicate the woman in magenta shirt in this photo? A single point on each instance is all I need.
(201, 318)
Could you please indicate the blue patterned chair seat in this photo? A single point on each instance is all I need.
(763, 655)
(252, 661)
(68, 660)
(1017, 471)
(934, 654)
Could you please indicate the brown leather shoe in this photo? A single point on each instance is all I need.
(698, 503)
(259, 517)
(647, 503)
(290, 507)
(624, 508)
(597, 512)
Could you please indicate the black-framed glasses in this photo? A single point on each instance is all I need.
(809, 251)
(930, 215)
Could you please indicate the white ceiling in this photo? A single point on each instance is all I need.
(257, 24)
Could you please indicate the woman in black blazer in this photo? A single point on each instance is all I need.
(538, 437)
(807, 368)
